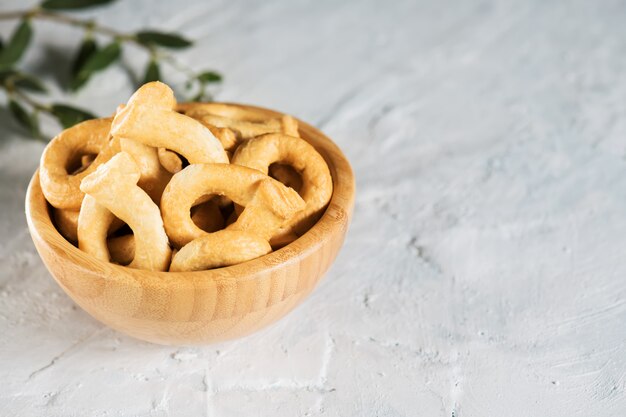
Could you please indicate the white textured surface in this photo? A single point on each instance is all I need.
(484, 272)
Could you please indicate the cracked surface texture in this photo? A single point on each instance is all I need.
(484, 271)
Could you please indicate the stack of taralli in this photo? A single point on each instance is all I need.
(183, 187)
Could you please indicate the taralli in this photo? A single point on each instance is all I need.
(259, 153)
(67, 223)
(169, 160)
(282, 237)
(207, 216)
(287, 175)
(61, 188)
(154, 177)
(114, 186)
(243, 129)
(290, 126)
(226, 137)
(269, 209)
(221, 109)
(236, 182)
(149, 118)
(85, 161)
(122, 249)
(219, 249)
(244, 123)
(200, 185)
(93, 222)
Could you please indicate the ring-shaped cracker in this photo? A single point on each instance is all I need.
(169, 160)
(66, 222)
(268, 203)
(113, 187)
(287, 175)
(207, 216)
(221, 109)
(243, 129)
(290, 126)
(219, 249)
(61, 188)
(154, 177)
(317, 186)
(122, 249)
(149, 118)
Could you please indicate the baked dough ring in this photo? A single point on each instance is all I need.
(221, 109)
(114, 188)
(93, 222)
(290, 126)
(317, 186)
(287, 175)
(227, 137)
(61, 188)
(219, 249)
(148, 118)
(245, 186)
(154, 177)
(207, 216)
(66, 222)
(121, 249)
(243, 129)
(169, 160)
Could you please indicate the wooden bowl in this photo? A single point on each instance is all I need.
(183, 308)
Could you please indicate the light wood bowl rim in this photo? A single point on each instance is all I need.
(336, 216)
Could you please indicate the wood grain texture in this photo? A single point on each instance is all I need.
(206, 306)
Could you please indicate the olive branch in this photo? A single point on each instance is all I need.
(90, 58)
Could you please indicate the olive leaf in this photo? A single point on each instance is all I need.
(87, 48)
(22, 81)
(209, 77)
(30, 83)
(68, 116)
(97, 61)
(166, 40)
(14, 49)
(72, 4)
(26, 120)
(153, 73)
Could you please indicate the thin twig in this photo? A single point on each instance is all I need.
(37, 13)
(16, 93)
(91, 25)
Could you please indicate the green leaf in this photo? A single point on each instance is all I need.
(18, 43)
(153, 72)
(166, 40)
(72, 4)
(22, 81)
(101, 59)
(28, 82)
(26, 120)
(97, 61)
(209, 77)
(87, 48)
(68, 116)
